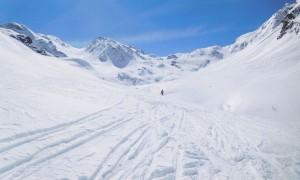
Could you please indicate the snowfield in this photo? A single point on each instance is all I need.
(228, 112)
(144, 137)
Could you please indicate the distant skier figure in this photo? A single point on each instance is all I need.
(162, 92)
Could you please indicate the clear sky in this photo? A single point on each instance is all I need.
(160, 27)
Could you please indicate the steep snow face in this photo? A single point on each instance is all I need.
(291, 21)
(42, 44)
(286, 18)
(105, 49)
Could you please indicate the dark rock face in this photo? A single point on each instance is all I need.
(28, 41)
(216, 54)
(173, 56)
(24, 39)
(175, 64)
(288, 25)
(43, 50)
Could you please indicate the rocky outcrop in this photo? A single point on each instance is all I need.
(36, 42)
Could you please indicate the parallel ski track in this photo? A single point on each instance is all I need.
(197, 142)
(21, 165)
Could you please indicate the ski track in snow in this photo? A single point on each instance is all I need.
(149, 140)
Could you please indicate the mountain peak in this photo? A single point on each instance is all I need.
(101, 42)
(19, 28)
(285, 21)
(104, 39)
(106, 49)
(14, 25)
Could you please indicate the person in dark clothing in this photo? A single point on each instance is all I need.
(162, 92)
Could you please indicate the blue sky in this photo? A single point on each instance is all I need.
(160, 27)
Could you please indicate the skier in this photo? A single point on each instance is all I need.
(162, 92)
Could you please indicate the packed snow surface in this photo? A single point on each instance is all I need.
(227, 113)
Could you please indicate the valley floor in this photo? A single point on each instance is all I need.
(153, 137)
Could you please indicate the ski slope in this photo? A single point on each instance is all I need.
(60, 121)
(144, 137)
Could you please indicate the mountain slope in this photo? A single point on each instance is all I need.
(105, 49)
(260, 80)
(197, 59)
(285, 20)
(42, 44)
(36, 89)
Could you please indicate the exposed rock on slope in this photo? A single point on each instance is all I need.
(286, 20)
(106, 49)
(39, 43)
(291, 23)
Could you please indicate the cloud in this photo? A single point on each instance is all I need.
(162, 35)
(87, 18)
(158, 36)
(78, 43)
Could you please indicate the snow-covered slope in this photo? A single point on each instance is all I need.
(42, 44)
(260, 79)
(35, 88)
(197, 59)
(286, 20)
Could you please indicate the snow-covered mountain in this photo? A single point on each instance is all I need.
(286, 20)
(40, 43)
(228, 112)
(197, 59)
(115, 61)
(106, 49)
(137, 67)
(259, 76)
